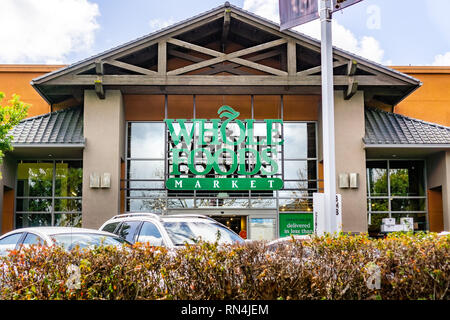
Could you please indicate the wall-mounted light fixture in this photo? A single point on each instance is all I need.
(354, 180)
(106, 180)
(344, 181)
(94, 180)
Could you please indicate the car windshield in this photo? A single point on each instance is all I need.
(84, 240)
(190, 232)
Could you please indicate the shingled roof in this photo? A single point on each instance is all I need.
(59, 127)
(386, 128)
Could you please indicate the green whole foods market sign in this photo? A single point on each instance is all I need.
(224, 154)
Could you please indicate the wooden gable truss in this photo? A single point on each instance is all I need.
(226, 50)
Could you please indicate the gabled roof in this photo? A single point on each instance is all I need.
(64, 127)
(124, 70)
(212, 12)
(386, 128)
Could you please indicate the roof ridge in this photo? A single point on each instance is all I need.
(409, 118)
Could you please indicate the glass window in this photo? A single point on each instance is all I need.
(52, 187)
(69, 179)
(147, 193)
(190, 232)
(146, 170)
(420, 219)
(378, 205)
(408, 204)
(299, 140)
(86, 240)
(146, 205)
(407, 178)
(67, 205)
(396, 188)
(262, 228)
(24, 220)
(377, 179)
(9, 243)
(263, 203)
(68, 220)
(11, 239)
(128, 230)
(110, 227)
(150, 233)
(300, 170)
(32, 238)
(34, 179)
(146, 185)
(146, 140)
(34, 205)
(375, 220)
(180, 203)
(296, 204)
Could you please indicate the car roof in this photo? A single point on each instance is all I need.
(161, 218)
(59, 230)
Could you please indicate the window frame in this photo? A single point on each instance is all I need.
(20, 239)
(53, 197)
(389, 197)
(138, 233)
(164, 201)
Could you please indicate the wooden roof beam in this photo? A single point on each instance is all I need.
(352, 87)
(98, 82)
(232, 57)
(226, 28)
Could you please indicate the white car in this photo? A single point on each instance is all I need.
(66, 237)
(170, 231)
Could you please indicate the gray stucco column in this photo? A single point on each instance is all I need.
(351, 158)
(104, 129)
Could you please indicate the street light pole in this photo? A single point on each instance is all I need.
(329, 157)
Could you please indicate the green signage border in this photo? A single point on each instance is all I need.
(296, 224)
(226, 184)
(264, 152)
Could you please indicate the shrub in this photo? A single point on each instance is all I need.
(410, 267)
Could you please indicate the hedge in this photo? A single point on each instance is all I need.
(343, 267)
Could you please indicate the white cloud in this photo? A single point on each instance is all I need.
(47, 30)
(157, 24)
(442, 59)
(367, 47)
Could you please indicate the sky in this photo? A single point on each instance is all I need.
(400, 32)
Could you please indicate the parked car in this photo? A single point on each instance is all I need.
(66, 237)
(280, 242)
(171, 230)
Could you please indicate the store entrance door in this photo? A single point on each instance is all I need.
(258, 224)
(249, 224)
(236, 223)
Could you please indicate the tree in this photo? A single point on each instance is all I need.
(10, 116)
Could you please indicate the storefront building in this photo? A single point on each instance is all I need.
(221, 115)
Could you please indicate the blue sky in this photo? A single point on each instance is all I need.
(400, 32)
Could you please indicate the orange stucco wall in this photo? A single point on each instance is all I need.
(16, 79)
(431, 102)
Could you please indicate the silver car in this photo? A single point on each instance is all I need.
(66, 237)
(170, 231)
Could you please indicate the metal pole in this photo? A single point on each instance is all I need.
(329, 165)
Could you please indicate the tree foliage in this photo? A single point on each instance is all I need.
(10, 116)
